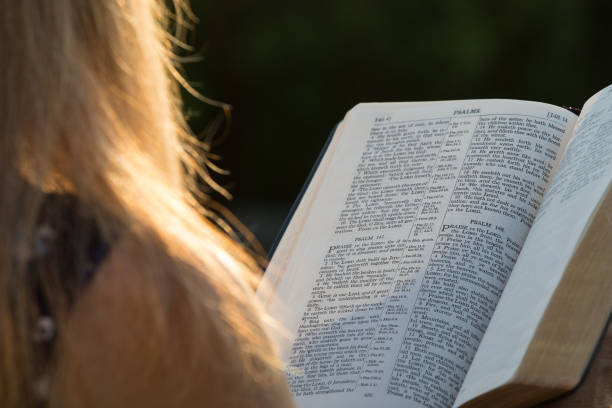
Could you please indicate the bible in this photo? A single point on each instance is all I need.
(448, 254)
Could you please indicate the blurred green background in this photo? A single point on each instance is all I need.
(292, 69)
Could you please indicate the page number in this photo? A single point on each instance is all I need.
(381, 119)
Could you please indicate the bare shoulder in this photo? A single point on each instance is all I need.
(136, 339)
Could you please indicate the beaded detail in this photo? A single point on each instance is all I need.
(63, 255)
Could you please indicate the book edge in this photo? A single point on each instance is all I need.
(302, 192)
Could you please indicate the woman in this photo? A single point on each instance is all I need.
(114, 290)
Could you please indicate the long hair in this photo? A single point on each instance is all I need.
(90, 107)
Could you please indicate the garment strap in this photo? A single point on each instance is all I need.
(66, 250)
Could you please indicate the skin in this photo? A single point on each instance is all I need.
(113, 362)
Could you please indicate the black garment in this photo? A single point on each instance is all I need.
(65, 251)
(67, 244)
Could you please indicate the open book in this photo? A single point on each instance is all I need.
(448, 254)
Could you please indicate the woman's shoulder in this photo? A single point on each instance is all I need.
(143, 328)
(138, 338)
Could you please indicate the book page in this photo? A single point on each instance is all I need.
(282, 253)
(582, 178)
(394, 272)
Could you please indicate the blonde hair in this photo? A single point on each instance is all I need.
(89, 107)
